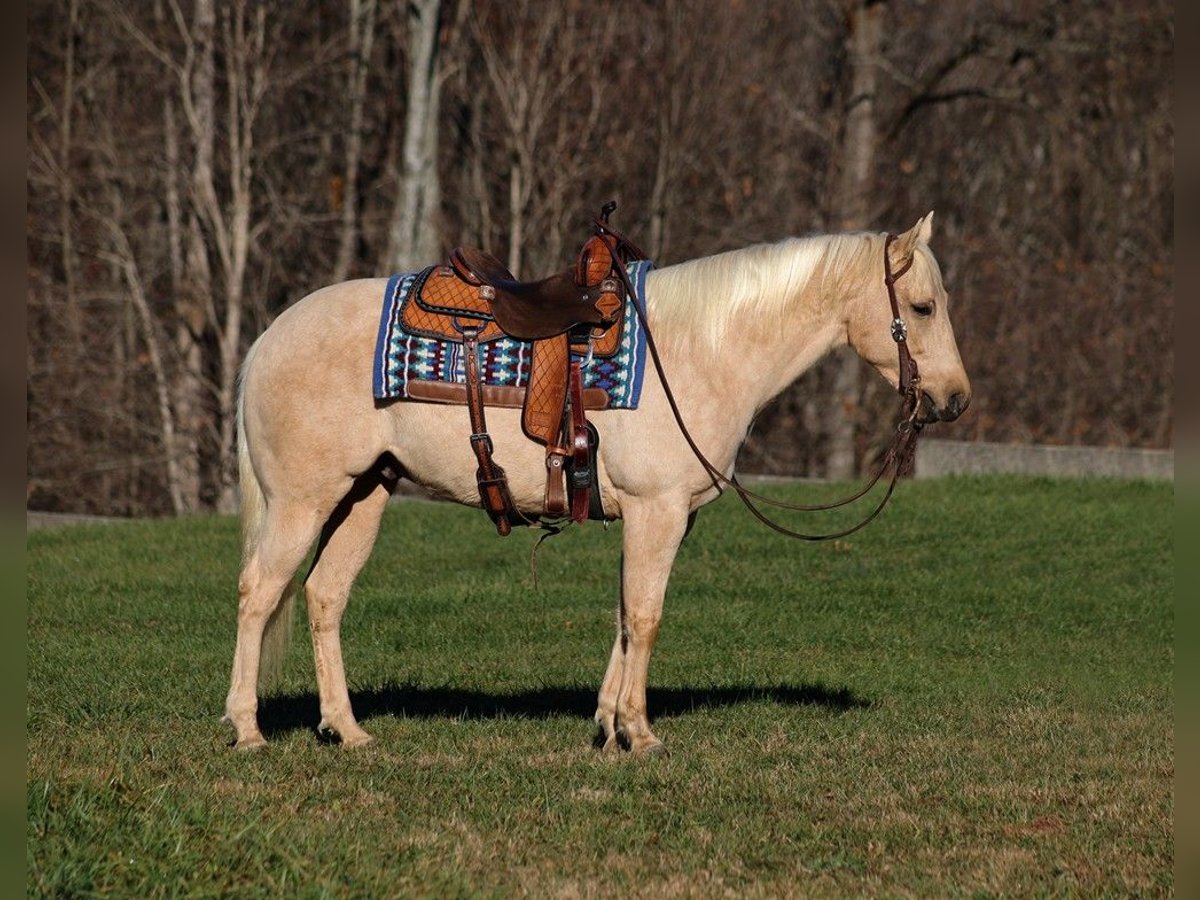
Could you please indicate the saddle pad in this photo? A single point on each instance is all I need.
(402, 357)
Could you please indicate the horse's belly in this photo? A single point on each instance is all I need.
(432, 443)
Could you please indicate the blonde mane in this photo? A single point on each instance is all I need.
(701, 298)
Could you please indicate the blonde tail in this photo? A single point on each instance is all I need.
(278, 634)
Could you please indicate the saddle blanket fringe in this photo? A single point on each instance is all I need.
(402, 357)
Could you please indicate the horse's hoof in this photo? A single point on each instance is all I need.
(253, 742)
(654, 749)
(347, 734)
(357, 740)
(612, 745)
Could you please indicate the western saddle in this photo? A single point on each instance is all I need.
(472, 299)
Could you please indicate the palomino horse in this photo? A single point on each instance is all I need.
(319, 457)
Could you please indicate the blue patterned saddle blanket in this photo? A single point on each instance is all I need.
(402, 358)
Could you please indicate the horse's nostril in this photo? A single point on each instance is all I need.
(957, 405)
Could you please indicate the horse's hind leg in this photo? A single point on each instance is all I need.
(346, 542)
(287, 533)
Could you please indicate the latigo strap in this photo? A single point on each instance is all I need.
(582, 459)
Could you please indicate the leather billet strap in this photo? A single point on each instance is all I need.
(489, 477)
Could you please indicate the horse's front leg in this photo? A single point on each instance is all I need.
(653, 530)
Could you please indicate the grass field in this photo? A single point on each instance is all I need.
(972, 697)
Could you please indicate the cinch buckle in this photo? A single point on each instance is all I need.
(899, 330)
(581, 477)
(486, 438)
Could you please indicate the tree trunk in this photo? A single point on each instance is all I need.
(66, 218)
(246, 77)
(516, 216)
(413, 238)
(529, 87)
(198, 97)
(854, 186)
(481, 204)
(362, 38)
(670, 139)
(122, 258)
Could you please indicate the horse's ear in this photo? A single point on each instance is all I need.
(906, 244)
(925, 228)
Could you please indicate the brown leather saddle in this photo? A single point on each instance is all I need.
(472, 299)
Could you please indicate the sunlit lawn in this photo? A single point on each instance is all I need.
(972, 696)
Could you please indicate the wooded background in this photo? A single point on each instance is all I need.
(196, 166)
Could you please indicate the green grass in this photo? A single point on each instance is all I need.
(972, 697)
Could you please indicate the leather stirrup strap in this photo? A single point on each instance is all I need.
(555, 502)
(490, 478)
(581, 449)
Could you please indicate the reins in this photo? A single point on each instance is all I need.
(897, 456)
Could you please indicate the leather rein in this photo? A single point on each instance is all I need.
(898, 455)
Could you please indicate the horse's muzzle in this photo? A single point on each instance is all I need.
(955, 406)
(930, 412)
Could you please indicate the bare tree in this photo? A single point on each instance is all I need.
(122, 256)
(362, 39)
(66, 175)
(522, 78)
(218, 225)
(413, 237)
(225, 223)
(855, 186)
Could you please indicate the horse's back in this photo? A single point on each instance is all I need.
(332, 318)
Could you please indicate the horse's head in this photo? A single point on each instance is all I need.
(924, 307)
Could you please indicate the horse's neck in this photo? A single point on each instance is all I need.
(759, 353)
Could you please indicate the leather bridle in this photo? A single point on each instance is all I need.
(899, 454)
(909, 382)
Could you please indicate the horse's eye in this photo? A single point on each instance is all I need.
(924, 310)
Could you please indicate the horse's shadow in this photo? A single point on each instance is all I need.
(290, 712)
